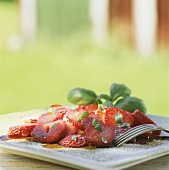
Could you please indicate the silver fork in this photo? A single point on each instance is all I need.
(136, 131)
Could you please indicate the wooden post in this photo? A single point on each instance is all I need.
(99, 19)
(28, 19)
(145, 24)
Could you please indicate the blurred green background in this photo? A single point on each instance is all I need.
(42, 73)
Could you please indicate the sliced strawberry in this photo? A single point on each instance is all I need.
(70, 129)
(74, 141)
(86, 122)
(20, 131)
(94, 111)
(50, 132)
(99, 138)
(61, 110)
(53, 114)
(110, 117)
(47, 118)
(74, 115)
(88, 108)
(140, 118)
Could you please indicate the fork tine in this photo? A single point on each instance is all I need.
(130, 135)
(134, 129)
(134, 132)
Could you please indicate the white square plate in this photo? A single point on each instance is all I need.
(98, 158)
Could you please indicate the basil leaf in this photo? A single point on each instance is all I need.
(119, 90)
(131, 104)
(107, 104)
(81, 96)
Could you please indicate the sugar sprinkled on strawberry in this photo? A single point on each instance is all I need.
(74, 141)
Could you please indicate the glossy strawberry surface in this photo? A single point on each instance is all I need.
(110, 117)
(80, 125)
(50, 132)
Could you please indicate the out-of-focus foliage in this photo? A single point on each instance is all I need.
(42, 73)
(62, 17)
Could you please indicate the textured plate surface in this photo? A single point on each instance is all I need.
(100, 158)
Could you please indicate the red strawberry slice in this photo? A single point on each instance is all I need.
(99, 138)
(70, 129)
(73, 116)
(86, 122)
(110, 117)
(74, 141)
(98, 114)
(20, 131)
(140, 118)
(53, 114)
(93, 111)
(61, 110)
(47, 118)
(88, 108)
(50, 132)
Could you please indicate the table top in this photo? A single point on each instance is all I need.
(10, 161)
(14, 162)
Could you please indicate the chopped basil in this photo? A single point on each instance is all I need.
(53, 124)
(125, 125)
(84, 115)
(119, 118)
(51, 110)
(104, 140)
(94, 122)
(97, 125)
(74, 138)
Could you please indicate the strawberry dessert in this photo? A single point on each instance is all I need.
(80, 126)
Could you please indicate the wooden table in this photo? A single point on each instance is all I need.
(10, 161)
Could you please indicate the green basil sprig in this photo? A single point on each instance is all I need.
(119, 97)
